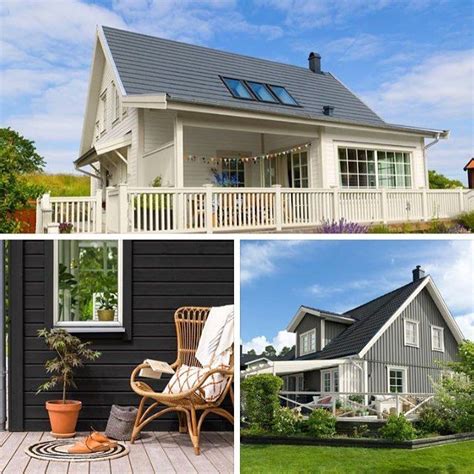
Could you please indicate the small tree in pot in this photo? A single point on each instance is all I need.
(108, 303)
(71, 354)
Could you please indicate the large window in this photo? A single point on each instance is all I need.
(396, 380)
(269, 172)
(412, 337)
(234, 172)
(437, 338)
(330, 380)
(363, 168)
(307, 342)
(87, 283)
(298, 169)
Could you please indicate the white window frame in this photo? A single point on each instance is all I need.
(270, 163)
(292, 154)
(89, 326)
(375, 149)
(406, 322)
(332, 373)
(404, 370)
(300, 342)
(103, 112)
(433, 329)
(115, 104)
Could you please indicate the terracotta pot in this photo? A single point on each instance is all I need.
(106, 314)
(63, 417)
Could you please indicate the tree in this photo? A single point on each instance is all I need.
(465, 363)
(18, 156)
(269, 351)
(439, 181)
(252, 352)
(285, 351)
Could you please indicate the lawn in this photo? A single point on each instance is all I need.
(451, 458)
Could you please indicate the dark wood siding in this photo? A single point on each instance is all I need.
(159, 276)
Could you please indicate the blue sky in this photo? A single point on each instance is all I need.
(411, 60)
(280, 275)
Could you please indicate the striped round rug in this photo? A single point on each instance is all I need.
(56, 450)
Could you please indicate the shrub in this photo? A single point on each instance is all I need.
(321, 423)
(357, 398)
(430, 421)
(341, 227)
(285, 421)
(379, 229)
(260, 400)
(397, 428)
(360, 431)
(466, 219)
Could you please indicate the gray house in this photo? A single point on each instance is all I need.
(392, 344)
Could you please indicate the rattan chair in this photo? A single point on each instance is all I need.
(190, 406)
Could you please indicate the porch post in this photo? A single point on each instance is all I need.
(208, 217)
(178, 153)
(98, 211)
(46, 212)
(461, 200)
(278, 206)
(123, 208)
(424, 199)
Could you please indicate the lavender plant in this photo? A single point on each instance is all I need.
(342, 227)
(65, 228)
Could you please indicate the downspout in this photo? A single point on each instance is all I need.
(429, 145)
(3, 390)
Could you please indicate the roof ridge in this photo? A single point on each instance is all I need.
(208, 48)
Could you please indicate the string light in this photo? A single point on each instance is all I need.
(246, 159)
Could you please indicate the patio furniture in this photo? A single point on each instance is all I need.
(191, 405)
(323, 402)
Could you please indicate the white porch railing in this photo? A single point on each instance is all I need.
(214, 209)
(347, 405)
(83, 214)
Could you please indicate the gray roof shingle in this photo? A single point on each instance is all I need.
(190, 73)
(370, 317)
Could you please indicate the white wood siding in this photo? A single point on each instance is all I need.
(331, 138)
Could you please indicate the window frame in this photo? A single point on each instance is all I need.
(116, 115)
(90, 326)
(404, 371)
(406, 322)
(300, 342)
(238, 162)
(292, 167)
(271, 86)
(332, 373)
(247, 88)
(103, 112)
(375, 150)
(433, 329)
(267, 88)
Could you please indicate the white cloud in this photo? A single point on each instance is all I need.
(281, 340)
(351, 48)
(466, 324)
(261, 258)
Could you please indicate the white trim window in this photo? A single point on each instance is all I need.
(115, 104)
(397, 379)
(234, 171)
(103, 112)
(307, 342)
(366, 168)
(330, 380)
(88, 285)
(411, 331)
(437, 338)
(298, 169)
(269, 173)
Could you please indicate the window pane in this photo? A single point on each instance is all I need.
(87, 280)
(342, 153)
(237, 88)
(261, 91)
(343, 166)
(352, 167)
(361, 155)
(351, 154)
(283, 95)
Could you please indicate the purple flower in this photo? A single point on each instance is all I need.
(65, 228)
(342, 227)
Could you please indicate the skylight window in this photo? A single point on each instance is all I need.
(237, 88)
(261, 91)
(283, 95)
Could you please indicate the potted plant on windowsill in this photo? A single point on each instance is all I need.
(107, 304)
(71, 354)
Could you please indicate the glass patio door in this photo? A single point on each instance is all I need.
(298, 173)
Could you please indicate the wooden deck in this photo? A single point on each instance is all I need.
(156, 452)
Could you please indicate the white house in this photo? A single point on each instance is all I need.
(163, 118)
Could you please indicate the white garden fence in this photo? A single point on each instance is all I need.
(213, 209)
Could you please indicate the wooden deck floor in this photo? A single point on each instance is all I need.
(156, 452)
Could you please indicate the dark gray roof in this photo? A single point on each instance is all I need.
(370, 317)
(190, 73)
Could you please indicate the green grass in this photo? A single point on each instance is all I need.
(450, 459)
(61, 184)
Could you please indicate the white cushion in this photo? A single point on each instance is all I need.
(186, 377)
